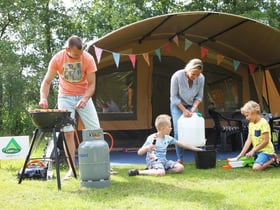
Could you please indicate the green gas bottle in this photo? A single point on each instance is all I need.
(94, 160)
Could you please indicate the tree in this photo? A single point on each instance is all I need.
(31, 31)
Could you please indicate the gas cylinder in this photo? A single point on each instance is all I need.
(94, 160)
(191, 130)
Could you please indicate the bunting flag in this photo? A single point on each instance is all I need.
(132, 58)
(116, 58)
(220, 58)
(168, 47)
(98, 53)
(157, 51)
(188, 43)
(252, 68)
(236, 64)
(146, 58)
(203, 52)
(176, 40)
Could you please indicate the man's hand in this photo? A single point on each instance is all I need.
(81, 104)
(43, 103)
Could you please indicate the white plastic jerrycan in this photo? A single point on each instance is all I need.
(191, 130)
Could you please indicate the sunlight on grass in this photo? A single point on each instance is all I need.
(216, 188)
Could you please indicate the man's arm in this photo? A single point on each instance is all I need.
(45, 88)
(90, 91)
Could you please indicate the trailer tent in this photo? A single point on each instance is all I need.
(241, 62)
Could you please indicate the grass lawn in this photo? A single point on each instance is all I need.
(216, 188)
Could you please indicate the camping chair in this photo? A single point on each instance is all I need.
(275, 128)
(226, 127)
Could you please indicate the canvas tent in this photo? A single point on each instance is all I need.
(241, 58)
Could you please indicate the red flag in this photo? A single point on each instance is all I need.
(203, 52)
(168, 47)
(252, 68)
(132, 58)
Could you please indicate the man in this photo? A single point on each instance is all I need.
(76, 69)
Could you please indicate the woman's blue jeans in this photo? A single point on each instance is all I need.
(176, 114)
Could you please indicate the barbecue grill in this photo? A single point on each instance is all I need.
(50, 120)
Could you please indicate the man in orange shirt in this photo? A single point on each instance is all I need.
(76, 69)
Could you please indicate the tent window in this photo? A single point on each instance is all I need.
(115, 95)
(223, 89)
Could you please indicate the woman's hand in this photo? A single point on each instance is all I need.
(187, 113)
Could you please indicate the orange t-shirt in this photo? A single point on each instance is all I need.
(72, 72)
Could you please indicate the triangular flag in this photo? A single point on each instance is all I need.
(176, 40)
(116, 58)
(158, 54)
(98, 53)
(146, 57)
(236, 64)
(132, 58)
(188, 43)
(203, 52)
(168, 47)
(220, 58)
(252, 68)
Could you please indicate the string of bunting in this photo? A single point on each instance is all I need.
(132, 57)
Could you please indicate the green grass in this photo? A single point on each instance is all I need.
(215, 188)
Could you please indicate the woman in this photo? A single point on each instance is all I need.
(186, 93)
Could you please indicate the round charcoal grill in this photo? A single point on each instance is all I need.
(52, 118)
(47, 120)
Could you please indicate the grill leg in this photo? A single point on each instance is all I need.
(69, 156)
(28, 156)
(56, 160)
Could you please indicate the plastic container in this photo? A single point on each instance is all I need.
(94, 160)
(191, 130)
(205, 159)
(49, 171)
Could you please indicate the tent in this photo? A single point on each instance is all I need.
(241, 58)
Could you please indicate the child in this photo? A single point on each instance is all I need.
(155, 148)
(259, 137)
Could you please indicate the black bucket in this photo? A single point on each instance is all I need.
(205, 159)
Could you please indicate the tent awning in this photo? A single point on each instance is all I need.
(235, 37)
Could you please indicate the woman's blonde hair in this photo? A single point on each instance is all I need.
(251, 107)
(162, 120)
(194, 64)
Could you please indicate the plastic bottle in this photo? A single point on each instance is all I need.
(49, 171)
(152, 155)
(191, 130)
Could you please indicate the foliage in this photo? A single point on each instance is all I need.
(31, 31)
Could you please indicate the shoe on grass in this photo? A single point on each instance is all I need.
(276, 161)
(68, 175)
(180, 161)
(133, 172)
(112, 171)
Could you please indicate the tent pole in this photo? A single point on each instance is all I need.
(267, 95)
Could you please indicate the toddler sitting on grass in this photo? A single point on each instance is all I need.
(155, 148)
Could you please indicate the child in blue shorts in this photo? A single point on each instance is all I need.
(259, 136)
(155, 148)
